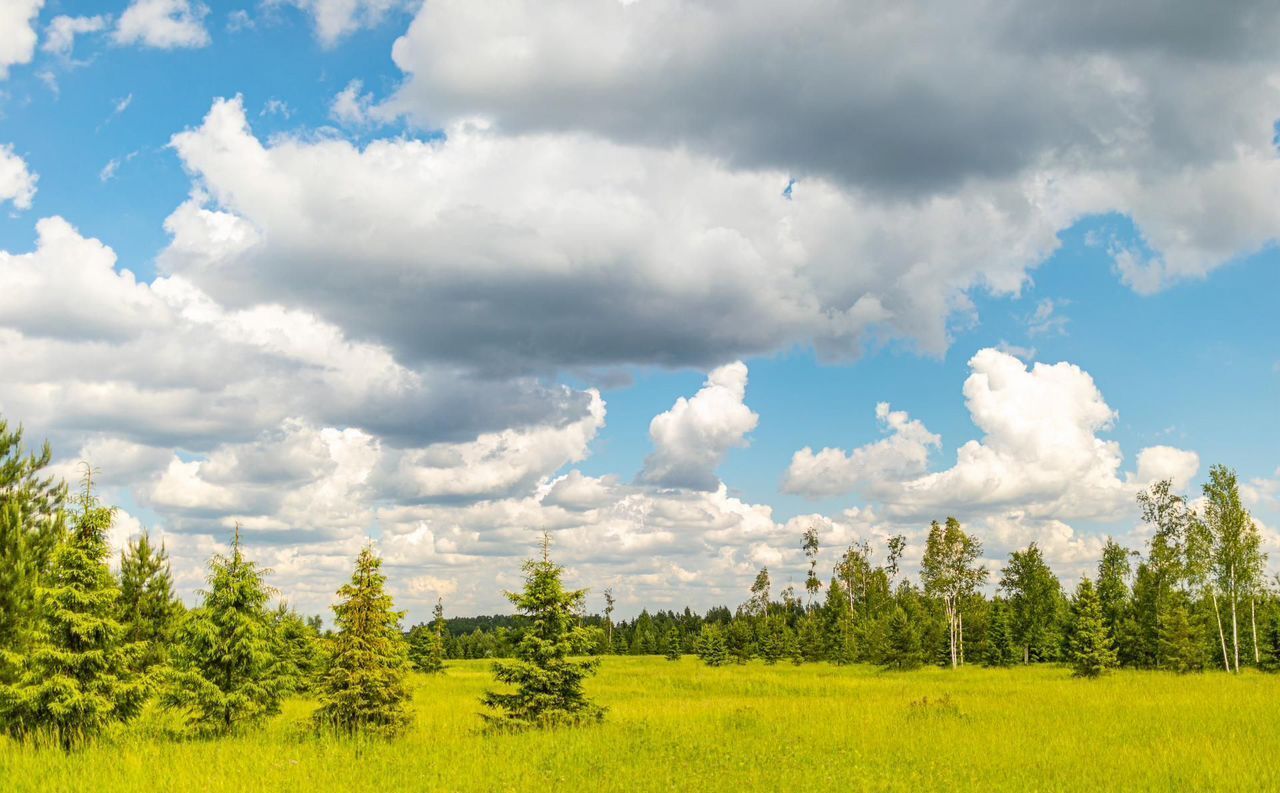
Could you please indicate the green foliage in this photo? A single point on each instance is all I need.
(999, 643)
(711, 647)
(1113, 585)
(674, 641)
(741, 640)
(32, 524)
(78, 674)
(148, 607)
(904, 650)
(426, 643)
(225, 672)
(1181, 642)
(1035, 601)
(362, 688)
(299, 650)
(548, 682)
(1091, 651)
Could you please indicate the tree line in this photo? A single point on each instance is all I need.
(83, 647)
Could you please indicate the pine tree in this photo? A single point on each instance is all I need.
(838, 627)
(740, 640)
(548, 682)
(1092, 653)
(771, 641)
(999, 644)
(426, 643)
(79, 673)
(362, 688)
(711, 647)
(148, 607)
(904, 650)
(225, 672)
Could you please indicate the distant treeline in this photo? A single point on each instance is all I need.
(1196, 597)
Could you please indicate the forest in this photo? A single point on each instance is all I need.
(88, 647)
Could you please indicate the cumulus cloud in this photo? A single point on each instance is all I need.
(60, 35)
(163, 24)
(1040, 457)
(691, 439)
(17, 33)
(17, 182)
(514, 253)
(905, 452)
(1168, 107)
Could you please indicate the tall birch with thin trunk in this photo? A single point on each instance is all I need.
(1236, 557)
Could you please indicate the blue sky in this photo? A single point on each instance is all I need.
(384, 320)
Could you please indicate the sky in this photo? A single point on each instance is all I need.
(673, 281)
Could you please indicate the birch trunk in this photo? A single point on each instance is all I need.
(1226, 663)
(1235, 633)
(1253, 623)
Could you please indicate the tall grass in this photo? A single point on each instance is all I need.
(682, 726)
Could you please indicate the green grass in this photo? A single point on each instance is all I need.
(682, 726)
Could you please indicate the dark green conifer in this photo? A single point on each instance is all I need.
(548, 682)
(999, 643)
(426, 643)
(675, 647)
(1181, 643)
(79, 673)
(904, 648)
(711, 647)
(362, 687)
(225, 672)
(1270, 645)
(299, 650)
(148, 607)
(1092, 653)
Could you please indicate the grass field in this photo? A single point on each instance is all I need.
(682, 726)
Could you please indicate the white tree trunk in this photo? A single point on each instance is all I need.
(960, 633)
(1253, 623)
(1235, 632)
(1226, 662)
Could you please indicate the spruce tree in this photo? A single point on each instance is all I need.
(711, 646)
(426, 643)
(548, 682)
(838, 626)
(1092, 653)
(904, 651)
(78, 675)
(1181, 644)
(225, 672)
(148, 606)
(32, 524)
(999, 644)
(362, 688)
(674, 648)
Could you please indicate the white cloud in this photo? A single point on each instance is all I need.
(1046, 319)
(17, 182)
(17, 32)
(905, 452)
(1040, 456)
(336, 19)
(691, 439)
(1164, 108)
(351, 107)
(163, 24)
(60, 35)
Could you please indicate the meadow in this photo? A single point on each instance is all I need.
(684, 726)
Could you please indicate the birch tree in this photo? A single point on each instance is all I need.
(950, 572)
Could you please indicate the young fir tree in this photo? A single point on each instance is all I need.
(148, 607)
(1181, 644)
(224, 669)
(838, 626)
(999, 644)
(548, 682)
(426, 643)
(675, 647)
(904, 650)
(362, 688)
(79, 674)
(711, 647)
(772, 641)
(1091, 651)
(741, 640)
